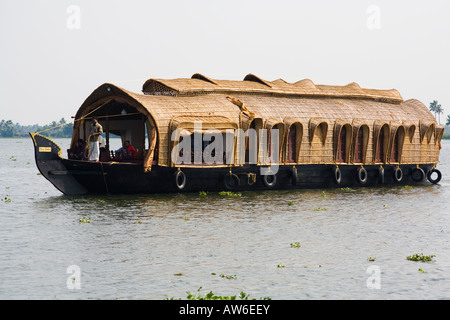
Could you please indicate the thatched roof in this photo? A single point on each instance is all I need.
(234, 104)
(199, 84)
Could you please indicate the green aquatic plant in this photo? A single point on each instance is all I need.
(290, 203)
(212, 296)
(6, 199)
(84, 220)
(203, 193)
(406, 187)
(346, 189)
(227, 276)
(421, 270)
(320, 209)
(324, 195)
(295, 245)
(230, 193)
(371, 259)
(281, 266)
(420, 257)
(186, 218)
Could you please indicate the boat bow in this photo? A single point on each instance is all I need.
(50, 164)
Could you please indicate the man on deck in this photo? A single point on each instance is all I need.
(94, 147)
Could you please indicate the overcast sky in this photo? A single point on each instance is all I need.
(54, 53)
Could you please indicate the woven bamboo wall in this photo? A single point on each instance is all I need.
(364, 111)
(317, 115)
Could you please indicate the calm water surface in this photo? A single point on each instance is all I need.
(160, 246)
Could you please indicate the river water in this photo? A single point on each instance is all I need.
(160, 246)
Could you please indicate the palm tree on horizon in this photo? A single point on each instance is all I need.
(437, 109)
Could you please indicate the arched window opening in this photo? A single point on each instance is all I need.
(291, 145)
(359, 146)
(274, 146)
(380, 147)
(342, 147)
(251, 143)
(394, 150)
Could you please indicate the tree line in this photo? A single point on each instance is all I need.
(437, 109)
(8, 129)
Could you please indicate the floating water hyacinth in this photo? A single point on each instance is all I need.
(84, 220)
(230, 194)
(227, 276)
(420, 257)
(212, 296)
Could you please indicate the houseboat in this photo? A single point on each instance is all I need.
(202, 134)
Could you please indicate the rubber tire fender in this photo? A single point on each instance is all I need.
(398, 174)
(434, 181)
(294, 176)
(270, 183)
(381, 175)
(421, 174)
(231, 181)
(337, 175)
(177, 176)
(362, 175)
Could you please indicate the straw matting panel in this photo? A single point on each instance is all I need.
(317, 116)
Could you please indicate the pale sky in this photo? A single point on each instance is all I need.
(53, 56)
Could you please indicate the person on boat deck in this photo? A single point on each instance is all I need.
(77, 152)
(95, 132)
(127, 151)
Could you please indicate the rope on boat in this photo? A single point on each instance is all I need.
(104, 179)
(88, 148)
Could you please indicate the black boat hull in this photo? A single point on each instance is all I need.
(75, 177)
